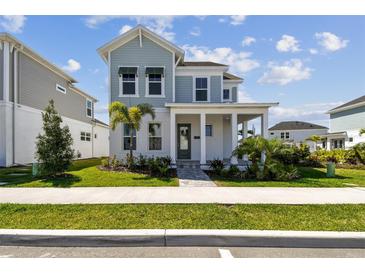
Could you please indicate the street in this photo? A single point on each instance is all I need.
(176, 252)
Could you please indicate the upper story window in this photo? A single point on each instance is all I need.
(89, 108)
(128, 81)
(226, 94)
(155, 82)
(60, 88)
(201, 89)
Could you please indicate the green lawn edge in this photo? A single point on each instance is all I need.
(182, 216)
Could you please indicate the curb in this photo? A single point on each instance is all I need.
(162, 237)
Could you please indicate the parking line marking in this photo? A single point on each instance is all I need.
(225, 253)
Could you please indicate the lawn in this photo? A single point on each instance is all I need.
(310, 177)
(182, 216)
(83, 173)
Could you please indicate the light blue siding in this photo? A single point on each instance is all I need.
(184, 89)
(215, 89)
(150, 54)
(234, 94)
(348, 119)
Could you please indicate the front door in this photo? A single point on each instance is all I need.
(184, 141)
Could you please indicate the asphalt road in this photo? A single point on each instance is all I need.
(176, 252)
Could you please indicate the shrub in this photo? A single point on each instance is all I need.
(105, 162)
(217, 166)
(142, 162)
(359, 152)
(115, 163)
(233, 171)
(130, 161)
(165, 160)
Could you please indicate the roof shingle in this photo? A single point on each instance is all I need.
(296, 125)
(353, 102)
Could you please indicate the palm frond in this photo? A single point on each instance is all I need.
(147, 109)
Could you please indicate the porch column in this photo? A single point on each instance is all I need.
(328, 144)
(234, 137)
(245, 135)
(173, 137)
(265, 124)
(203, 155)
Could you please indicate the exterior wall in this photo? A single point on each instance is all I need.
(227, 139)
(234, 94)
(6, 136)
(1, 73)
(194, 120)
(150, 54)
(233, 88)
(352, 119)
(101, 142)
(116, 137)
(216, 89)
(37, 85)
(214, 144)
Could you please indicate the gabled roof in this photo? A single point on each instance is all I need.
(200, 64)
(228, 76)
(352, 104)
(139, 30)
(97, 121)
(296, 125)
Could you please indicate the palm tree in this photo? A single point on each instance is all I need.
(132, 116)
(315, 139)
(362, 131)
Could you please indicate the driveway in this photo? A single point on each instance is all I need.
(189, 195)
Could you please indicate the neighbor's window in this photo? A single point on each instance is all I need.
(226, 94)
(85, 136)
(126, 138)
(155, 136)
(282, 135)
(128, 80)
(287, 135)
(209, 130)
(201, 89)
(89, 108)
(351, 139)
(155, 78)
(60, 88)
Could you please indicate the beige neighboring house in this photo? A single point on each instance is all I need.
(27, 83)
(297, 132)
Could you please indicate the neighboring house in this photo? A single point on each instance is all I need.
(196, 103)
(345, 123)
(297, 132)
(28, 82)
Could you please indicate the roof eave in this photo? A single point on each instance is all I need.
(339, 109)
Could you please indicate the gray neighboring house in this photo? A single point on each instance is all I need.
(297, 132)
(196, 103)
(28, 82)
(345, 123)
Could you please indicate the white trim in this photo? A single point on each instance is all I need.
(177, 62)
(110, 80)
(140, 38)
(232, 81)
(6, 72)
(230, 95)
(136, 82)
(203, 144)
(92, 110)
(147, 93)
(346, 108)
(173, 136)
(173, 76)
(220, 105)
(148, 135)
(182, 71)
(123, 136)
(61, 89)
(208, 89)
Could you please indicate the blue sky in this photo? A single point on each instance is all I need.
(307, 63)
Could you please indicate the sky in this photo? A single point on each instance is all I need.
(309, 64)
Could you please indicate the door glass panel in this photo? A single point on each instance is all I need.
(184, 135)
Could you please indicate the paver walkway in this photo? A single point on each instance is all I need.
(193, 177)
(172, 195)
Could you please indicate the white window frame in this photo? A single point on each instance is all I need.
(136, 90)
(230, 95)
(208, 89)
(287, 135)
(282, 135)
(124, 136)
(61, 89)
(206, 130)
(148, 135)
(88, 100)
(162, 83)
(85, 135)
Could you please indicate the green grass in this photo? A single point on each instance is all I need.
(179, 216)
(310, 177)
(83, 173)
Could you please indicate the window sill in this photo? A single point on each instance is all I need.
(155, 96)
(128, 95)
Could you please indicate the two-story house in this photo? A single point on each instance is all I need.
(196, 103)
(27, 83)
(346, 121)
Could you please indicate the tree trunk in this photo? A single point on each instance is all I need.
(131, 144)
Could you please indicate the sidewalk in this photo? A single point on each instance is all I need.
(172, 195)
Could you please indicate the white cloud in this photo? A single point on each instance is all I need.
(313, 51)
(12, 23)
(237, 20)
(290, 71)
(239, 62)
(101, 109)
(94, 21)
(247, 41)
(244, 97)
(72, 66)
(222, 20)
(124, 29)
(288, 43)
(330, 42)
(195, 31)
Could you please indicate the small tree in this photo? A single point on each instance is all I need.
(362, 131)
(54, 146)
(315, 139)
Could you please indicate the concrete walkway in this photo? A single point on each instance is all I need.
(171, 195)
(193, 177)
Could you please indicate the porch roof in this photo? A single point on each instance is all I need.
(341, 134)
(220, 105)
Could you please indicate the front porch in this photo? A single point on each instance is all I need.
(204, 132)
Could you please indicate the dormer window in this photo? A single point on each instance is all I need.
(155, 84)
(128, 81)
